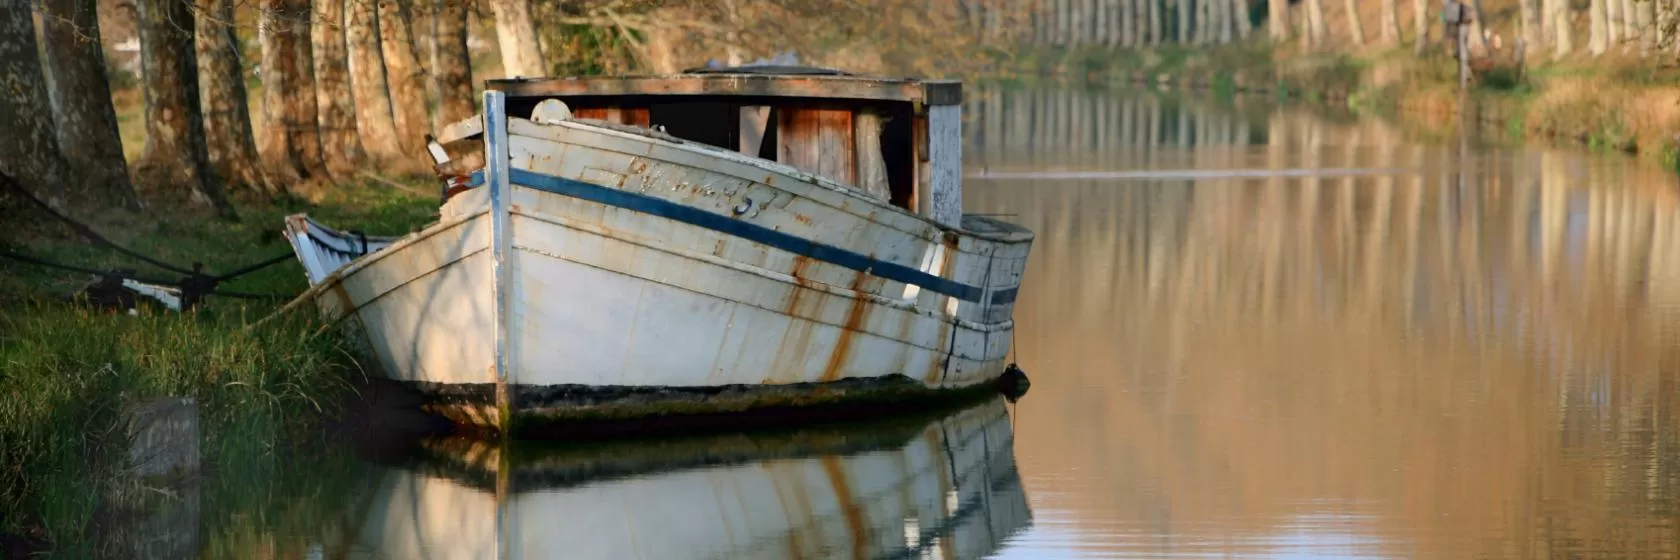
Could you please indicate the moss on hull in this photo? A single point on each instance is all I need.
(584, 411)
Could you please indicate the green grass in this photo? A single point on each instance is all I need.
(68, 370)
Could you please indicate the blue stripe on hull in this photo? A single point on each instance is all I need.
(753, 232)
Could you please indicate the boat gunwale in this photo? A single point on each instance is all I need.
(1014, 234)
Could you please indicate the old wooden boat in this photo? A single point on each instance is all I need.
(945, 487)
(716, 241)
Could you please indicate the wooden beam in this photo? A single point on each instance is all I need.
(933, 93)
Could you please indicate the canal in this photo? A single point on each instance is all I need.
(1434, 349)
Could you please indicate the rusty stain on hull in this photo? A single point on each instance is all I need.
(856, 315)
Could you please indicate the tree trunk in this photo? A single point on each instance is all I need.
(1203, 19)
(407, 82)
(1222, 19)
(1239, 11)
(1597, 25)
(377, 127)
(29, 148)
(1534, 34)
(1557, 15)
(340, 145)
(291, 139)
(1420, 23)
(1315, 22)
(453, 69)
(517, 34)
(176, 156)
(1154, 8)
(227, 114)
(81, 97)
(1355, 28)
(1630, 21)
(1277, 19)
(1612, 23)
(1119, 11)
(1184, 22)
(1390, 23)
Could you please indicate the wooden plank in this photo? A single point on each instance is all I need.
(871, 166)
(596, 113)
(835, 156)
(934, 93)
(753, 120)
(945, 155)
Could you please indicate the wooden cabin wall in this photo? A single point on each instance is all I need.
(818, 140)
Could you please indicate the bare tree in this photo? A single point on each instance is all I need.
(1534, 34)
(453, 64)
(1390, 22)
(291, 139)
(367, 79)
(1315, 22)
(81, 98)
(1277, 19)
(29, 148)
(1420, 23)
(1598, 25)
(405, 78)
(341, 146)
(516, 31)
(230, 145)
(1239, 11)
(175, 156)
(1557, 16)
(1355, 27)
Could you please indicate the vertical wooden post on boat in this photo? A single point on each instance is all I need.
(496, 179)
(753, 120)
(944, 197)
(871, 165)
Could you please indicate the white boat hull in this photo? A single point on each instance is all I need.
(607, 275)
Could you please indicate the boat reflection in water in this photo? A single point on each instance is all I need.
(911, 487)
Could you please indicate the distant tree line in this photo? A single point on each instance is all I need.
(356, 84)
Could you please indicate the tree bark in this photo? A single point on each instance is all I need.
(1630, 21)
(1183, 22)
(407, 82)
(1222, 19)
(1239, 11)
(453, 68)
(1612, 23)
(1391, 22)
(340, 145)
(1557, 16)
(1277, 19)
(516, 31)
(1315, 22)
(29, 149)
(1112, 11)
(176, 156)
(1154, 8)
(230, 145)
(1534, 34)
(1420, 23)
(81, 98)
(1598, 39)
(374, 122)
(291, 139)
(1355, 28)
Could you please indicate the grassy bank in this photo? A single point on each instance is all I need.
(1619, 103)
(69, 371)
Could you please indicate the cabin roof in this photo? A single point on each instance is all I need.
(743, 81)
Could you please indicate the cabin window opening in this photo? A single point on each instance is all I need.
(707, 122)
(898, 150)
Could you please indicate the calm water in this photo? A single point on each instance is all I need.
(1446, 352)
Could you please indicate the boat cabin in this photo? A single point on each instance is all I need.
(893, 139)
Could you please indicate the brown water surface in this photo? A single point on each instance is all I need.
(1462, 352)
